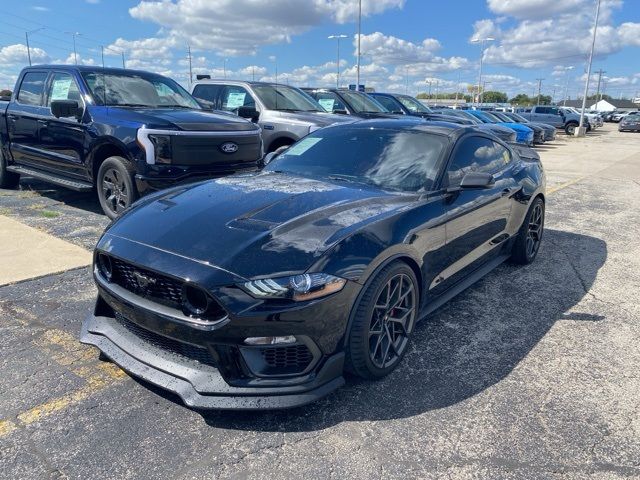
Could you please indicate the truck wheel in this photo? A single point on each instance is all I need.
(570, 128)
(115, 186)
(7, 179)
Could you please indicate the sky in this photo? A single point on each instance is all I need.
(408, 46)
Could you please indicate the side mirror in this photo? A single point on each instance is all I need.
(477, 180)
(250, 113)
(268, 158)
(65, 109)
(397, 112)
(340, 111)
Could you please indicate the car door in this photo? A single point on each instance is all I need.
(476, 219)
(62, 140)
(25, 117)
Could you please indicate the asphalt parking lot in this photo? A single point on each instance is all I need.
(531, 373)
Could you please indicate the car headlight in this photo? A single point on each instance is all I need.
(297, 288)
(161, 148)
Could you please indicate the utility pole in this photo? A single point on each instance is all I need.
(539, 88)
(457, 88)
(123, 64)
(253, 73)
(429, 82)
(102, 54)
(224, 67)
(338, 38)
(190, 65)
(26, 35)
(566, 88)
(581, 132)
(359, 33)
(75, 54)
(406, 74)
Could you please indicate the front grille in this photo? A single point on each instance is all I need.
(160, 288)
(295, 357)
(157, 287)
(192, 352)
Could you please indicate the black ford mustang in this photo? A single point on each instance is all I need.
(260, 290)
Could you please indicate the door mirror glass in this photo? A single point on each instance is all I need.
(65, 108)
(248, 112)
(268, 158)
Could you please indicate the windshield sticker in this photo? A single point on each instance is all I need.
(60, 89)
(327, 104)
(302, 146)
(236, 99)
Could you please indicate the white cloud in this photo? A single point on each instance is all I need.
(17, 55)
(532, 8)
(40, 8)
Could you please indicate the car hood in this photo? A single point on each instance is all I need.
(320, 119)
(181, 119)
(516, 126)
(494, 127)
(254, 225)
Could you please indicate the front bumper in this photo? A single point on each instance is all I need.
(633, 127)
(199, 385)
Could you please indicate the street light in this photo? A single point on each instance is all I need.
(338, 37)
(359, 31)
(481, 41)
(566, 88)
(74, 35)
(26, 34)
(581, 130)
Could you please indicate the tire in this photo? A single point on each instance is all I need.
(279, 143)
(7, 179)
(391, 344)
(570, 128)
(527, 244)
(115, 186)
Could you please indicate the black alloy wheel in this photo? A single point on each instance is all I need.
(7, 179)
(529, 237)
(115, 186)
(383, 322)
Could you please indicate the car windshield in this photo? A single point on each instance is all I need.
(518, 118)
(363, 103)
(413, 105)
(490, 117)
(287, 99)
(502, 116)
(137, 90)
(388, 158)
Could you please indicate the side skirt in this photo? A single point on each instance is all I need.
(461, 286)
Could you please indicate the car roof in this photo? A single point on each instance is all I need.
(89, 68)
(437, 127)
(222, 81)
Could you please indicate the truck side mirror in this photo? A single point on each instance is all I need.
(65, 108)
(248, 112)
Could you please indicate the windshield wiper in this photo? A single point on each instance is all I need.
(178, 106)
(130, 105)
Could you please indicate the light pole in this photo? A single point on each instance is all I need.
(359, 31)
(224, 67)
(26, 34)
(338, 38)
(566, 88)
(481, 41)
(74, 35)
(581, 130)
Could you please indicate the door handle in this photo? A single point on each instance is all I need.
(43, 122)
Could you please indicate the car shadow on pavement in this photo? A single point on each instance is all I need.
(82, 200)
(464, 348)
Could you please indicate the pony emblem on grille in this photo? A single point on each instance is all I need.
(143, 280)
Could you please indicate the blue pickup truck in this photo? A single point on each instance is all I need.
(121, 132)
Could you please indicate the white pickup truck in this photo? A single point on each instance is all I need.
(559, 117)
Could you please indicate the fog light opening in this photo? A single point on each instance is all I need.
(105, 266)
(284, 340)
(196, 300)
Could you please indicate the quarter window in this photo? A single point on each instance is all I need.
(477, 154)
(389, 103)
(32, 88)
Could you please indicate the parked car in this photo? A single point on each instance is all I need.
(592, 121)
(549, 130)
(552, 115)
(524, 134)
(505, 134)
(348, 102)
(407, 105)
(538, 131)
(618, 116)
(285, 114)
(258, 291)
(630, 123)
(142, 132)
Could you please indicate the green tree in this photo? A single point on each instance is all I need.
(521, 99)
(5, 93)
(494, 97)
(597, 97)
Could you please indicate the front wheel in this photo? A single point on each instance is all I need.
(382, 323)
(570, 129)
(527, 243)
(115, 186)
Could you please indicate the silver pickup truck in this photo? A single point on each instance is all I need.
(552, 115)
(285, 114)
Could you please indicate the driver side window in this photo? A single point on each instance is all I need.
(234, 97)
(477, 154)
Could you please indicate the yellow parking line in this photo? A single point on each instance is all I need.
(6, 427)
(565, 185)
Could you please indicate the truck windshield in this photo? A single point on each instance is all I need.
(412, 104)
(363, 103)
(281, 97)
(135, 90)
